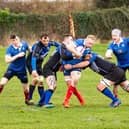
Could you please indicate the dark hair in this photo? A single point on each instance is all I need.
(13, 36)
(43, 35)
(66, 35)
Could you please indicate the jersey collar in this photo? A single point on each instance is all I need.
(121, 40)
(17, 47)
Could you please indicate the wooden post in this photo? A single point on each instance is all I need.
(71, 22)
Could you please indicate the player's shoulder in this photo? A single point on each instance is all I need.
(10, 47)
(24, 43)
(125, 39)
(79, 40)
(111, 45)
(35, 44)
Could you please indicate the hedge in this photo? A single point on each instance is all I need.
(111, 3)
(99, 22)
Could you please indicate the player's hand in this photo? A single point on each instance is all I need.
(78, 55)
(21, 54)
(34, 74)
(109, 57)
(88, 56)
(68, 66)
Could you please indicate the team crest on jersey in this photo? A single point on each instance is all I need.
(120, 51)
(122, 45)
(19, 48)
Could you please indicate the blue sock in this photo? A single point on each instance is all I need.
(31, 91)
(41, 101)
(41, 91)
(109, 94)
(48, 95)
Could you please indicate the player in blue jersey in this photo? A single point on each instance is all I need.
(120, 48)
(72, 76)
(34, 62)
(15, 56)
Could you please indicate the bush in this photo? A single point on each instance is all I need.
(111, 3)
(29, 26)
(101, 22)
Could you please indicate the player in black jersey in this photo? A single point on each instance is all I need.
(49, 72)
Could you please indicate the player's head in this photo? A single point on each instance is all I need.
(116, 35)
(90, 40)
(44, 38)
(15, 40)
(67, 38)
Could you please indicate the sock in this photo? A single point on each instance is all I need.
(109, 94)
(41, 91)
(26, 93)
(69, 93)
(48, 95)
(41, 101)
(78, 95)
(1, 88)
(31, 91)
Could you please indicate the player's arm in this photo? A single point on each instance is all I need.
(109, 52)
(33, 64)
(54, 43)
(87, 60)
(9, 58)
(79, 65)
(35, 56)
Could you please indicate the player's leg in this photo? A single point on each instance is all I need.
(125, 85)
(115, 90)
(69, 92)
(34, 82)
(32, 87)
(51, 82)
(103, 88)
(41, 90)
(26, 93)
(76, 75)
(24, 80)
(4, 80)
(40, 80)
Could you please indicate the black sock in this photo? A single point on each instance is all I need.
(41, 91)
(31, 91)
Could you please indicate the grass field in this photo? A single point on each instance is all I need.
(96, 114)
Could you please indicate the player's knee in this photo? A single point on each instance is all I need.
(105, 82)
(69, 83)
(126, 88)
(101, 87)
(51, 82)
(3, 81)
(52, 87)
(25, 88)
